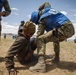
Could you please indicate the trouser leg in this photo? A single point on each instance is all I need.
(41, 46)
(56, 45)
(40, 66)
(57, 51)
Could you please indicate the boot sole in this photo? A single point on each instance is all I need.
(42, 71)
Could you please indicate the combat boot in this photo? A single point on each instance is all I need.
(56, 59)
(40, 66)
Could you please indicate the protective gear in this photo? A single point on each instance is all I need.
(55, 19)
(40, 66)
(35, 17)
(1, 4)
(29, 27)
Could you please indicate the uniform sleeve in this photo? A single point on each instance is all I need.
(41, 28)
(7, 8)
(17, 46)
(42, 7)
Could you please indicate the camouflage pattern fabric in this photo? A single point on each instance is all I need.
(7, 12)
(66, 31)
(41, 8)
(44, 5)
(7, 8)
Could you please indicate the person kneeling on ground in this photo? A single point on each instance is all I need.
(23, 47)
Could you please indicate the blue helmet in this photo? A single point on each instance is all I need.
(35, 17)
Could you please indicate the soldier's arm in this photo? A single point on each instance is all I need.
(7, 8)
(44, 5)
(41, 28)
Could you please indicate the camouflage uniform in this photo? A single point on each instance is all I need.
(64, 32)
(20, 48)
(49, 20)
(7, 12)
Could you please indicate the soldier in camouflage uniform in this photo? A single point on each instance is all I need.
(5, 4)
(58, 28)
(22, 48)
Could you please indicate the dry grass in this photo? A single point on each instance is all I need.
(67, 65)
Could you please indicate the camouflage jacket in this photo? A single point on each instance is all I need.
(7, 8)
(41, 26)
(41, 8)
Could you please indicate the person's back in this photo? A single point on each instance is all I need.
(53, 19)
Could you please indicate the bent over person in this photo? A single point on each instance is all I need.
(5, 4)
(22, 48)
(58, 28)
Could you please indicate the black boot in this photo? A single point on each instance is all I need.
(56, 59)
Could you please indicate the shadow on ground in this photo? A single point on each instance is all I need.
(70, 66)
(27, 65)
(1, 59)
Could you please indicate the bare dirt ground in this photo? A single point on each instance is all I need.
(67, 65)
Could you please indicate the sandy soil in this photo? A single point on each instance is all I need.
(67, 65)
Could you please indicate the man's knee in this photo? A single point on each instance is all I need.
(41, 39)
(33, 43)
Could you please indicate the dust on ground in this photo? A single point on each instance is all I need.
(67, 65)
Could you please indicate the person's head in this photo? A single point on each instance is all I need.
(35, 17)
(22, 22)
(29, 28)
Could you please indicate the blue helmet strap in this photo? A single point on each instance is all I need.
(38, 19)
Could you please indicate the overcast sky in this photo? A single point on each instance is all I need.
(22, 9)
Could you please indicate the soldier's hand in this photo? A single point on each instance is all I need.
(13, 72)
(2, 13)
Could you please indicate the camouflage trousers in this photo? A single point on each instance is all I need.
(64, 32)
